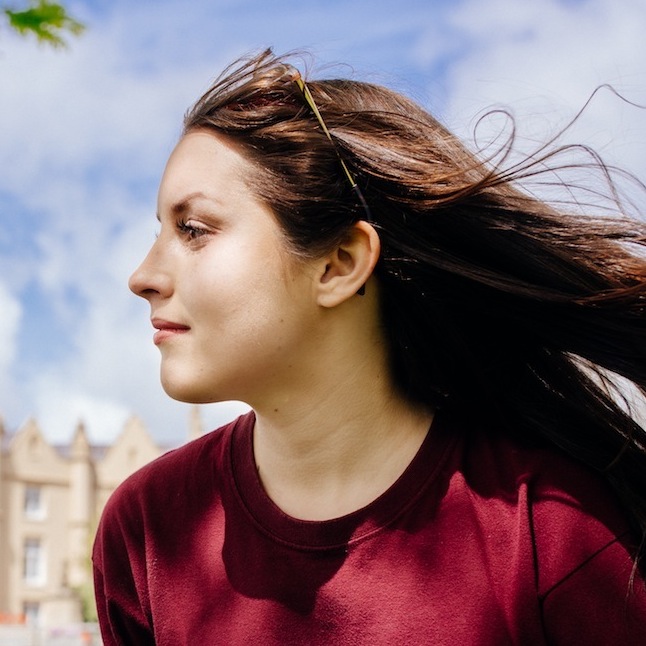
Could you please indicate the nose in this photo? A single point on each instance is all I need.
(152, 276)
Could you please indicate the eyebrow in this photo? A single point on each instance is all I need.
(181, 206)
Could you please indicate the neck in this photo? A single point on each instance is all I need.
(340, 442)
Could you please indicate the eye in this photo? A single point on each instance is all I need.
(190, 230)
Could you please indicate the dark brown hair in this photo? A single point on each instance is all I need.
(510, 310)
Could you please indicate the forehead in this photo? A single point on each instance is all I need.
(205, 162)
(207, 168)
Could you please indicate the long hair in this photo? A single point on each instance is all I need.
(515, 312)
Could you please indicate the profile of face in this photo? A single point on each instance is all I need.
(232, 306)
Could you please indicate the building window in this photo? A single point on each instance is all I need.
(34, 507)
(34, 562)
(30, 610)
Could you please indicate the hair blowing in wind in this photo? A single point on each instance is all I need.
(512, 311)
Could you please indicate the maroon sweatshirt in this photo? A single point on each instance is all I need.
(478, 542)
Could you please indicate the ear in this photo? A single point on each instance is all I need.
(347, 268)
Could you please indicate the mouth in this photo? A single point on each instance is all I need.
(167, 330)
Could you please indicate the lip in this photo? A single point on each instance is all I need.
(167, 330)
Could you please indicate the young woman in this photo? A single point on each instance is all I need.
(435, 453)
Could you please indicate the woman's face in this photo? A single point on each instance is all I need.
(233, 308)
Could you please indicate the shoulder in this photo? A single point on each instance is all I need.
(572, 515)
(179, 475)
(556, 483)
(583, 548)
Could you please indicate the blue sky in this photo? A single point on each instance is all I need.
(85, 133)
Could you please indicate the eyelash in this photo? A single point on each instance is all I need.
(189, 231)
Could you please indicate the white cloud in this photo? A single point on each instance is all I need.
(11, 310)
(543, 59)
(61, 407)
(10, 318)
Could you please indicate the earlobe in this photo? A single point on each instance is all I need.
(347, 268)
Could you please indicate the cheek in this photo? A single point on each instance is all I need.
(246, 282)
(235, 294)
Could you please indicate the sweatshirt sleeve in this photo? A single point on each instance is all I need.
(120, 575)
(590, 591)
(602, 601)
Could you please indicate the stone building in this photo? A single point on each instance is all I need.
(50, 500)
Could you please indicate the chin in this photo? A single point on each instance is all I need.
(188, 393)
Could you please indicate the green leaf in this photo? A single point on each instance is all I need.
(46, 20)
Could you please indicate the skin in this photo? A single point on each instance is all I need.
(243, 318)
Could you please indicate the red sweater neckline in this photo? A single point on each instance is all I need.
(337, 533)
